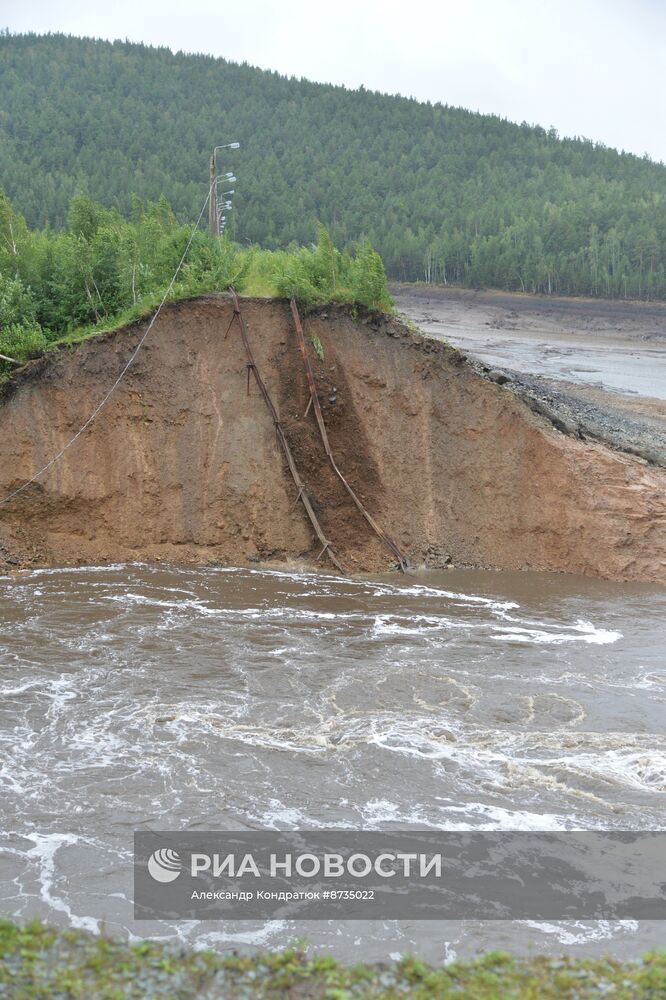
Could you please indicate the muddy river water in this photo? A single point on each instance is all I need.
(138, 698)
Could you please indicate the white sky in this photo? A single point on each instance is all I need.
(593, 67)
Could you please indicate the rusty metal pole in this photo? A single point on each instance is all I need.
(279, 432)
(314, 401)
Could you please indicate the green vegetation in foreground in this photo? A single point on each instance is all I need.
(104, 271)
(39, 962)
(444, 194)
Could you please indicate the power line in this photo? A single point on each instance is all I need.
(115, 385)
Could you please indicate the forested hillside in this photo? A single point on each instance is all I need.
(444, 194)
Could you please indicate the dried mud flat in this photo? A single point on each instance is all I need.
(592, 366)
(554, 314)
(183, 464)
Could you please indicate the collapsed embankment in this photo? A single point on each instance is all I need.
(183, 463)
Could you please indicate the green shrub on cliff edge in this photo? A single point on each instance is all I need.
(38, 961)
(368, 279)
(20, 335)
(321, 273)
(105, 270)
(22, 343)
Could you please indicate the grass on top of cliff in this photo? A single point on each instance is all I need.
(37, 961)
(105, 271)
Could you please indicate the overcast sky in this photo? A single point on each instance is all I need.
(588, 67)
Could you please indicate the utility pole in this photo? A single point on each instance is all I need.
(213, 223)
(213, 213)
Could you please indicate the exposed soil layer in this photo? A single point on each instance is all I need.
(183, 464)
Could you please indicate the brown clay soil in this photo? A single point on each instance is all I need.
(182, 464)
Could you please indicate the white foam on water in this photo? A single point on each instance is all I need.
(580, 632)
(264, 936)
(476, 816)
(128, 599)
(280, 614)
(420, 625)
(277, 816)
(498, 818)
(370, 586)
(44, 854)
(296, 614)
(420, 590)
(649, 682)
(508, 759)
(78, 570)
(376, 812)
(11, 782)
(423, 626)
(579, 932)
(8, 692)
(643, 769)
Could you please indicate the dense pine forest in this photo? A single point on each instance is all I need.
(444, 194)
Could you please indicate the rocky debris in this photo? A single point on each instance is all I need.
(590, 413)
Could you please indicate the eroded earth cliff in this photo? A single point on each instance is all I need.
(183, 463)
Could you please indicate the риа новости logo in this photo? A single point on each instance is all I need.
(164, 865)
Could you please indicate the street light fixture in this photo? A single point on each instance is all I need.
(227, 145)
(224, 206)
(213, 210)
